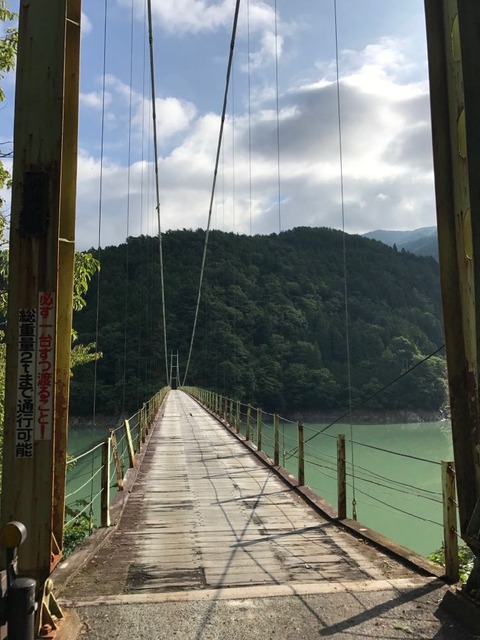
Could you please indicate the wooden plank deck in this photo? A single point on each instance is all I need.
(204, 513)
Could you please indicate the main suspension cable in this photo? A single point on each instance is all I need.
(279, 183)
(344, 247)
(212, 196)
(157, 188)
(127, 229)
(99, 240)
(249, 116)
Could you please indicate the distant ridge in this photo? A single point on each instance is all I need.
(421, 242)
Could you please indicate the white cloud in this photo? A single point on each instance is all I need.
(270, 47)
(187, 16)
(94, 99)
(173, 116)
(388, 179)
(382, 68)
(86, 25)
(181, 17)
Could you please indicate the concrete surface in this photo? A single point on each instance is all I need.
(400, 611)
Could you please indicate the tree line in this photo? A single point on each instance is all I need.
(281, 317)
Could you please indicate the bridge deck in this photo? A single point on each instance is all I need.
(205, 513)
(205, 516)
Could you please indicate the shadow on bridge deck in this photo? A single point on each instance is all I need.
(212, 544)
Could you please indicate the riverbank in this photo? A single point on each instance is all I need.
(364, 416)
(373, 417)
(101, 422)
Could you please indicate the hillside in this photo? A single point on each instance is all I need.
(421, 242)
(271, 328)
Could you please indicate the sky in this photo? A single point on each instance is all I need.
(280, 162)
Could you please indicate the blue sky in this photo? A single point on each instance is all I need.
(388, 175)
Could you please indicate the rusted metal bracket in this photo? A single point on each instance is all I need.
(56, 553)
(49, 612)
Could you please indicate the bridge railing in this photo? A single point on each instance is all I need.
(328, 470)
(94, 476)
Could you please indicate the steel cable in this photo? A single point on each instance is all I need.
(212, 196)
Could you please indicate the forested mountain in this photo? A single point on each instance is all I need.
(421, 242)
(272, 324)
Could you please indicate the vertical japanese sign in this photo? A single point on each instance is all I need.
(25, 417)
(44, 391)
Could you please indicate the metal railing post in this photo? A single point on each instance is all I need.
(116, 459)
(276, 452)
(259, 429)
(247, 429)
(105, 496)
(143, 423)
(131, 452)
(237, 417)
(21, 609)
(452, 569)
(301, 455)
(146, 418)
(341, 478)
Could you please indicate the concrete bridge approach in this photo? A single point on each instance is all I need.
(212, 544)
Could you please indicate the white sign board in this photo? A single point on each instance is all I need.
(45, 366)
(25, 417)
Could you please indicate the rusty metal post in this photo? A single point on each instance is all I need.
(237, 417)
(116, 459)
(452, 568)
(131, 452)
(276, 447)
(66, 262)
(105, 496)
(145, 417)
(40, 278)
(341, 478)
(454, 67)
(301, 455)
(247, 429)
(143, 424)
(259, 429)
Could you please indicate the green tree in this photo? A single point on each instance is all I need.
(8, 51)
(271, 328)
(85, 268)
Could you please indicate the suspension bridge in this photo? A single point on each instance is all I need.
(214, 524)
(208, 536)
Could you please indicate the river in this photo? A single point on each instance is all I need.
(395, 495)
